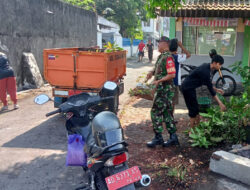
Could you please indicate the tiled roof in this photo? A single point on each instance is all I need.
(211, 8)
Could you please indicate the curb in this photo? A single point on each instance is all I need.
(231, 165)
(30, 90)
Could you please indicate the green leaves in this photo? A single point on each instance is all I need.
(152, 5)
(198, 136)
(226, 126)
(244, 72)
(216, 139)
(85, 4)
(178, 172)
(127, 13)
(223, 126)
(112, 47)
(206, 115)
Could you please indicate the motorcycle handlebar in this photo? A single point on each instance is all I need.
(53, 112)
(110, 146)
(86, 106)
(185, 65)
(95, 102)
(107, 98)
(182, 65)
(226, 69)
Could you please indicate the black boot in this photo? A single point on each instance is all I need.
(158, 140)
(172, 141)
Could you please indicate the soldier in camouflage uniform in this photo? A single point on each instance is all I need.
(162, 110)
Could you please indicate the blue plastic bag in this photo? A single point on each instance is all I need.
(75, 155)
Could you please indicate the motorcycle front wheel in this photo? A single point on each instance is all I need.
(229, 86)
(105, 172)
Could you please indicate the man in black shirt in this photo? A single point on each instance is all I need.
(150, 48)
(201, 76)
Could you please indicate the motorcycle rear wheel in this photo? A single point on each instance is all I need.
(229, 82)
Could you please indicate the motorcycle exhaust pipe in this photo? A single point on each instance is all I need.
(144, 182)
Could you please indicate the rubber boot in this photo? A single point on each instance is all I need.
(157, 140)
(172, 141)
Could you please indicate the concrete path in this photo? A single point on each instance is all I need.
(134, 70)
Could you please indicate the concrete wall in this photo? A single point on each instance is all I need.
(118, 40)
(131, 51)
(128, 49)
(32, 25)
(99, 39)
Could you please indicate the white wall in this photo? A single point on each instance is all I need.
(134, 50)
(127, 48)
(148, 28)
(99, 39)
(166, 26)
(118, 39)
(131, 53)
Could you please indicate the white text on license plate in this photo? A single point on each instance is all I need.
(123, 178)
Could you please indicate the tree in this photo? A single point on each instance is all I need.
(85, 4)
(152, 5)
(127, 13)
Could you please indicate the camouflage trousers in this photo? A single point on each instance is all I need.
(162, 112)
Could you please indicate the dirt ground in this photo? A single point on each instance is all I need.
(160, 161)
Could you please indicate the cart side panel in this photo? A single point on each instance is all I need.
(59, 67)
(116, 65)
(91, 70)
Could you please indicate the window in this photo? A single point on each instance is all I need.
(200, 39)
(147, 24)
(189, 38)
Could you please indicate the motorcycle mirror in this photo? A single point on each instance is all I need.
(41, 99)
(110, 85)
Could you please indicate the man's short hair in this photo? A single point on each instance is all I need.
(218, 59)
(173, 45)
(164, 39)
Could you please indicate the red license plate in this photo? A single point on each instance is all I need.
(123, 178)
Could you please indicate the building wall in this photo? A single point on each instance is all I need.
(172, 32)
(246, 56)
(32, 25)
(228, 60)
(131, 48)
(118, 40)
(149, 28)
(99, 39)
(166, 26)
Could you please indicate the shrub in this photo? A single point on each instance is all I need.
(228, 126)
